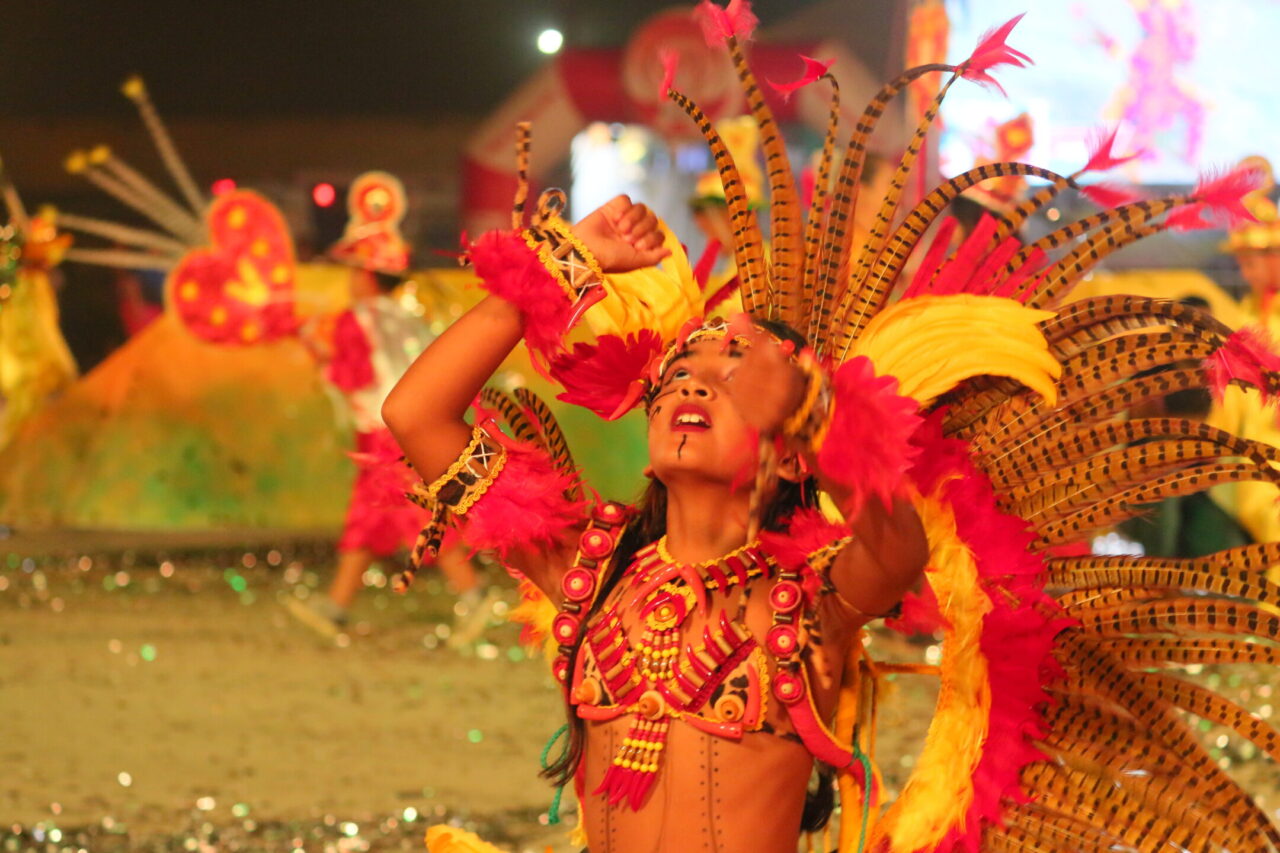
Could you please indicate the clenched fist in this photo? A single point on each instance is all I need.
(622, 235)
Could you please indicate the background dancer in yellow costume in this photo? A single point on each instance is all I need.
(34, 359)
(1256, 246)
(707, 637)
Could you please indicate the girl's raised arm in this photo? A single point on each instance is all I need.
(425, 411)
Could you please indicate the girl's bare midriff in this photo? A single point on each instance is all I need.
(715, 794)
(712, 796)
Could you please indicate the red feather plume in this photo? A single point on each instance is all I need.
(606, 377)
(1248, 355)
(670, 61)
(1189, 218)
(1100, 157)
(1108, 195)
(808, 530)
(868, 444)
(1224, 194)
(1219, 201)
(814, 69)
(992, 52)
(706, 262)
(718, 25)
(933, 258)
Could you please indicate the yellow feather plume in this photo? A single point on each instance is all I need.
(940, 790)
(662, 298)
(537, 612)
(930, 343)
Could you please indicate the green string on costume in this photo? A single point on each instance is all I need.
(553, 813)
(866, 793)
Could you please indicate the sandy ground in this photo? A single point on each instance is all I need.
(145, 711)
(173, 704)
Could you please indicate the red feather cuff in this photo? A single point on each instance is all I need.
(525, 506)
(868, 447)
(510, 269)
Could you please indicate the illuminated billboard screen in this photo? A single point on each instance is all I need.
(1191, 82)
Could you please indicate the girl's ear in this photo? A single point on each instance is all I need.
(648, 472)
(792, 468)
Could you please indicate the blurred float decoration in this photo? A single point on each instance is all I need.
(1157, 99)
(1012, 142)
(214, 415)
(239, 288)
(928, 34)
(35, 362)
(230, 262)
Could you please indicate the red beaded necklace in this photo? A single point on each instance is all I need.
(664, 592)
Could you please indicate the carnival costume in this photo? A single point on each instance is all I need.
(968, 391)
(372, 344)
(35, 361)
(1242, 411)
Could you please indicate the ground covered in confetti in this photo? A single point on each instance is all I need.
(167, 701)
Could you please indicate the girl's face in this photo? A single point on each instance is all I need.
(695, 430)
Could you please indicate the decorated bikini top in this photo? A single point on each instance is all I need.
(643, 656)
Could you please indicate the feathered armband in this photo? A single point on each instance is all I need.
(546, 272)
(501, 494)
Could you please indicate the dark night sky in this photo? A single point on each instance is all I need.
(295, 57)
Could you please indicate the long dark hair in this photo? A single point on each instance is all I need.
(649, 524)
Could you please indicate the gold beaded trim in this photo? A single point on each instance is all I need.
(660, 547)
(566, 258)
(534, 241)
(470, 475)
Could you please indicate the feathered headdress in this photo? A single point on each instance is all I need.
(376, 205)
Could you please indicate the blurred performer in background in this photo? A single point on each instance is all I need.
(1256, 246)
(364, 353)
(34, 359)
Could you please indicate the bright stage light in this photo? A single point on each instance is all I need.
(550, 41)
(323, 194)
(222, 186)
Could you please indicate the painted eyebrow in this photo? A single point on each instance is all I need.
(735, 351)
(683, 354)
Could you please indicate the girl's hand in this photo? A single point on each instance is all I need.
(622, 235)
(767, 386)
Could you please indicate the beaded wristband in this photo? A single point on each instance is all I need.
(565, 231)
(468, 478)
(534, 240)
(568, 260)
